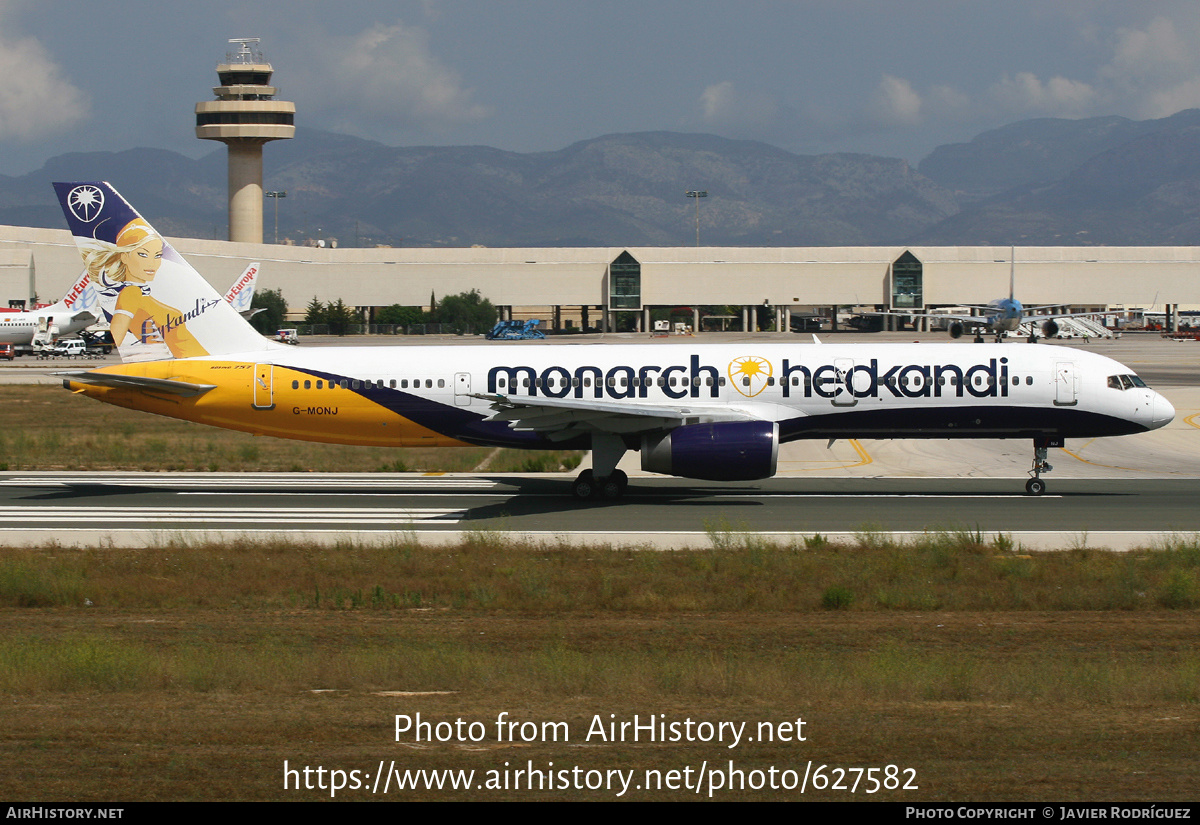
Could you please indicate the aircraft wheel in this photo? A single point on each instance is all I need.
(1035, 486)
(614, 486)
(584, 486)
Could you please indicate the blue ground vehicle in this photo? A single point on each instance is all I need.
(515, 331)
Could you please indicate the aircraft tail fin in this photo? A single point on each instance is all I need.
(241, 294)
(1012, 273)
(80, 298)
(158, 306)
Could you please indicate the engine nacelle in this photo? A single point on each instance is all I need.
(956, 330)
(725, 451)
(1049, 329)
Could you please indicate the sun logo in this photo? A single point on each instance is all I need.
(86, 202)
(749, 374)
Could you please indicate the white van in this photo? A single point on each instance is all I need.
(70, 348)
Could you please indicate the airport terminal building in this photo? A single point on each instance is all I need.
(614, 287)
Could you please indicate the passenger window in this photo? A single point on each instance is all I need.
(320, 385)
(307, 384)
(295, 385)
(441, 383)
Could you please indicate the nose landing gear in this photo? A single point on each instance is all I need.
(1035, 486)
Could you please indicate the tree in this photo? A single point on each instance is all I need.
(339, 317)
(316, 313)
(466, 312)
(274, 308)
(400, 315)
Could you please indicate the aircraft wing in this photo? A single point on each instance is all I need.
(565, 418)
(965, 320)
(1029, 316)
(185, 389)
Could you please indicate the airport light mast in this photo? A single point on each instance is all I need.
(244, 116)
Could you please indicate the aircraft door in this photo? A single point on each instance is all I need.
(462, 389)
(1065, 384)
(845, 383)
(264, 387)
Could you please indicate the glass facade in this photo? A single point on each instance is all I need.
(625, 283)
(906, 282)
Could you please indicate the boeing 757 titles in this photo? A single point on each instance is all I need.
(705, 411)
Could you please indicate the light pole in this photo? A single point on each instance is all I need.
(692, 193)
(276, 196)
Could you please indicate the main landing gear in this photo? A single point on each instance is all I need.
(1035, 486)
(604, 481)
(587, 486)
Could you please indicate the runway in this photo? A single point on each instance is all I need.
(134, 509)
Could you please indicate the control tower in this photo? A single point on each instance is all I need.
(244, 116)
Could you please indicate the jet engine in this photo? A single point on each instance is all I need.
(956, 330)
(724, 451)
(1049, 329)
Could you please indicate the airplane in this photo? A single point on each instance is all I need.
(79, 309)
(71, 314)
(703, 411)
(999, 316)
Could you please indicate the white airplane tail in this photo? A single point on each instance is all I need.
(157, 305)
(241, 294)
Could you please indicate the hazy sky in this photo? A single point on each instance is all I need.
(891, 78)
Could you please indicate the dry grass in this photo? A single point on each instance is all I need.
(48, 428)
(195, 672)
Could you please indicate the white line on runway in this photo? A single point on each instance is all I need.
(201, 515)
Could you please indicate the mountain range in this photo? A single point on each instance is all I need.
(1096, 181)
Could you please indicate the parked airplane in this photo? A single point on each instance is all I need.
(71, 314)
(79, 309)
(999, 316)
(716, 412)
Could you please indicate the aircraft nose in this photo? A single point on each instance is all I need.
(1161, 412)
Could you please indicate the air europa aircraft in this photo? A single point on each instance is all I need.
(71, 314)
(716, 412)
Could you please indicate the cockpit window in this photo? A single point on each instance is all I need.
(1125, 382)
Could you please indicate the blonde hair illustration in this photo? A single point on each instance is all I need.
(123, 272)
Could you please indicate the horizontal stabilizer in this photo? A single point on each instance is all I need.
(186, 389)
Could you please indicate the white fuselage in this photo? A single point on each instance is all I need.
(811, 390)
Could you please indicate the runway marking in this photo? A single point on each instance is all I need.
(1118, 467)
(1191, 419)
(202, 515)
(94, 479)
(863, 460)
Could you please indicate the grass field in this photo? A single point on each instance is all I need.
(48, 428)
(195, 672)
